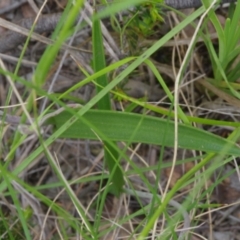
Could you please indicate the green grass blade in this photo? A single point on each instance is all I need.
(50, 53)
(217, 25)
(234, 31)
(99, 63)
(116, 7)
(111, 156)
(120, 126)
(17, 204)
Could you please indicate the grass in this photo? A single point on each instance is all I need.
(160, 210)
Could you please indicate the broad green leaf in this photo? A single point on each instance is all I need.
(121, 126)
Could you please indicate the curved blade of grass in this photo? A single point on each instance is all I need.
(116, 7)
(121, 126)
(51, 52)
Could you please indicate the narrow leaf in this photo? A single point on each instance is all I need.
(110, 154)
